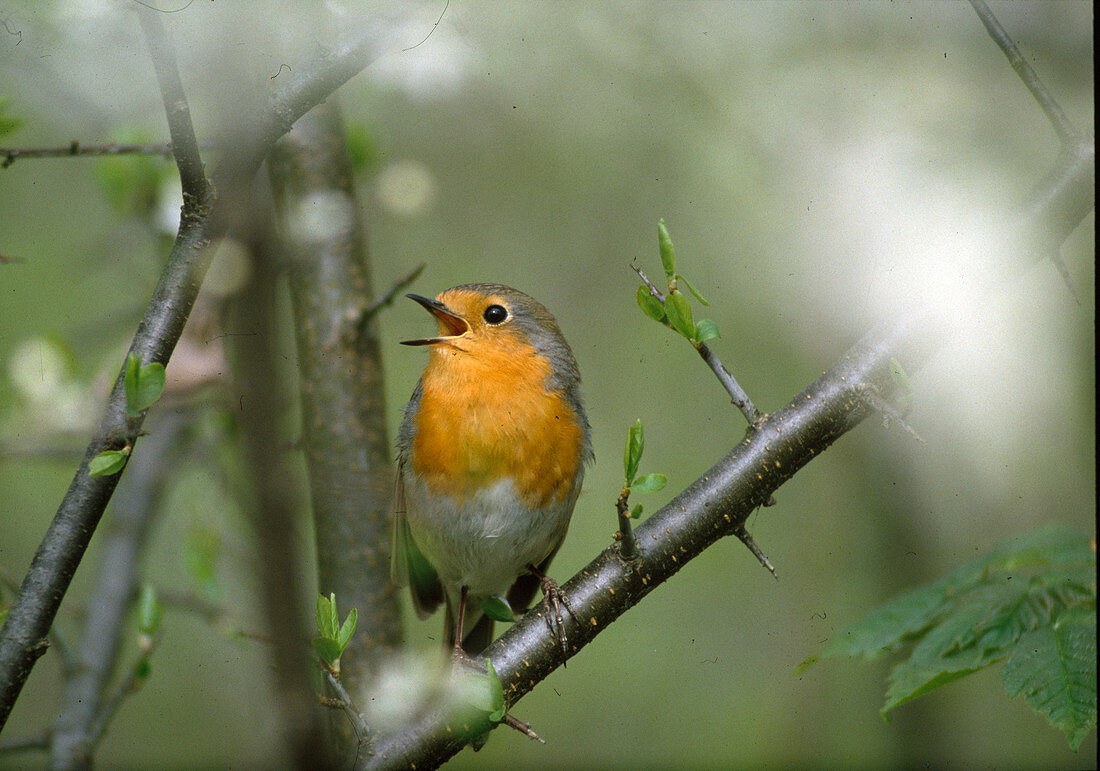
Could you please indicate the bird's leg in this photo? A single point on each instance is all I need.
(459, 618)
(553, 600)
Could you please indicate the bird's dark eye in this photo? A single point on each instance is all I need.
(495, 314)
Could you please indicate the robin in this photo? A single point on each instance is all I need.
(490, 457)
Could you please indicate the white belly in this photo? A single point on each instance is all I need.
(488, 540)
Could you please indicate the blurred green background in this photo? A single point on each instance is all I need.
(821, 166)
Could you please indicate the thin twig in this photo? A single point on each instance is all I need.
(184, 143)
(76, 149)
(130, 685)
(344, 701)
(737, 394)
(25, 744)
(391, 294)
(1057, 117)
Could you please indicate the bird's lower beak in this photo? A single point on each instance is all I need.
(451, 325)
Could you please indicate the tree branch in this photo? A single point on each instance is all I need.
(1057, 117)
(75, 148)
(134, 510)
(347, 449)
(275, 507)
(719, 502)
(23, 638)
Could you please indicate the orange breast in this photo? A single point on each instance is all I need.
(485, 415)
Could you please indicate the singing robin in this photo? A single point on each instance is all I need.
(491, 456)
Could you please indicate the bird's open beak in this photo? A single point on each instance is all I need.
(450, 322)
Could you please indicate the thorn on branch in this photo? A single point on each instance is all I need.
(522, 727)
(746, 539)
(889, 412)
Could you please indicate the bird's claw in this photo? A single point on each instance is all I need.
(553, 600)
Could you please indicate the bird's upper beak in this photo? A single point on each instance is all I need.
(449, 321)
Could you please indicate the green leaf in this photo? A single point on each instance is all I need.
(143, 383)
(636, 511)
(650, 305)
(706, 330)
(635, 446)
(1055, 669)
(678, 308)
(650, 483)
(108, 462)
(200, 557)
(328, 649)
(496, 694)
(8, 123)
(911, 614)
(692, 289)
(150, 611)
(497, 608)
(668, 254)
(142, 669)
(133, 183)
(347, 629)
(327, 623)
(131, 381)
(362, 149)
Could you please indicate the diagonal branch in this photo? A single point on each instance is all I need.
(719, 502)
(1057, 117)
(23, 637)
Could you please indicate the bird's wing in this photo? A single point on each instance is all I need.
(408, 565)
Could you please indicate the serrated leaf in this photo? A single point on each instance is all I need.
(1054, 667)
(327, 648)
(649, 483)
(650, 305)
(668, 253)
(699, 297)
(347, 629)
(706, 330)
(107, 462)
(635, 446)
(636, 511)
(496, 694)
(150, 611)
(678, 308)
(497, 608)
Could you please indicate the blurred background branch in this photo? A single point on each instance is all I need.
(344, 436)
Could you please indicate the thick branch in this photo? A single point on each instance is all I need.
(23, 638)
(720, 501)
